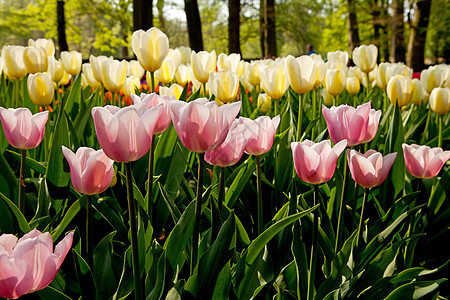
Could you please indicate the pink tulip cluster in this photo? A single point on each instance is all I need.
(152, 100)
(356, 125)
(29, 264)
(423, 161)
(22, 129)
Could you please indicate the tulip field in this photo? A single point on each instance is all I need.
(184, 175)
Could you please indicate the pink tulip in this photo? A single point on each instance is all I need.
(356, 125)
(262, 132)
(22, 129)
(29, 264)
(91, 171)
(370, 169)
(202, 125)
(125, 134)
(232, 149)
(423, 161)
(315, 163)
(152, 100)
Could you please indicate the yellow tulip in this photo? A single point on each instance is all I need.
(183, 74)
(114, 73)
(185, 54)
(380, 75)
(247, 86)
(71, 62)
(55, 69)
(352, 85)
(334, 81)
(327, 98)
(202, 63)
(47, 44)
(65, 79)
(431, 78)
(176, 55)
(167, 70)
(338, 58)
(252, 73)
(365, 57)
(224, 85)
(174, 90)
(96, 66)
(229, 62)
(35, 59)
(419, 94)
(151, 48)
(301, 72)
(134, 69)
(130, 85)
(264, 103)
(274, 80)
(15, 67)
(397, 69)
(320, 69)
(89, 76)
(41, 88)
(399, 90)
(446, 73)
(440, 100)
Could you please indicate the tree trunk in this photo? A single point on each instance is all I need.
(267, 28)
(375, 12)
(234, 7)
(385, 38)
(353, 34)
(397, 28)
(263, 27)
(194, 25)
(142, 14)
(418, 35)
(160, 6)
(62, 41)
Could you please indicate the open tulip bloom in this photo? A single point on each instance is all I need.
(29, 264)
(423, 161)
(356, 125)
(152, 100)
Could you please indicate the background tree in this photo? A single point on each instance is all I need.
(142, 14)
(194, 25)
(397, 29)
(234, 8)
(418, 34)
(268, 28)
(61, 20)
(353, 31)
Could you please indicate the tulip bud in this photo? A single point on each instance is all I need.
(134, 69)
(89, 75)
(130, 85)
(113, 74)
(352, 85)
(327, 98)
(274, 80)
(176, 55)
(185, 54)
(96, 66)
(365, 57)
(55, 69)
(252, 73)
(431, 78)
(35, 59)
(399, 89)
(339, 59)
(301, 72)
(419, 95)
(380, 75)
(14, 62)
(202, 63)
(174, 90)
(71, 62)
(151, 48)
(47, 44)
(167, 70)
(440, 100)
(183, 74)
(224, 85)
(41, 88)
(335, 81)
(228, 62)
(65, 79)
(264, 103)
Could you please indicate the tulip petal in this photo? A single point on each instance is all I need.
(15, 277)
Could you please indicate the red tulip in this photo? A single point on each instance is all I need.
(202, 125)
(125, 134)
(262, 132)
(232, 149)
(423, 161)
(152, 100)
(22, 129)
(29, 264)
(370, 169)
(91, 171)
(315, 163)
(356, 125)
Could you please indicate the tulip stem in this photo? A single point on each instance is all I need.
(133, 229)
(368, 85)
(204, 90)
(300, 117)
(366, 191)
(22, 181)
(259, 194)
(314, 248)
(341, 208)
(152, 81)
(440, 131)
(221, 189)
(150, 178)
(313, 131)
(427, 125)
(89, 245)
(198, 211)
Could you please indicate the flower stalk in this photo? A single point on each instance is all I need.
(22, 181)
(366, 191)
(314, 248)
(198, 210)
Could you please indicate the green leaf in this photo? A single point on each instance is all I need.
(103, 269)
(68, 217)
(20, 218)
(223, 283)
(183, 95)
(173, 209)
(239, 182)
(301, 261)
(415, 290)
(6, 171)
(30, 162)
(52, 293)
(84, 276)
(74, 95)
(105, 207)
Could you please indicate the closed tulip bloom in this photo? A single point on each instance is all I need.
(22, 129)
(202, 125)
(245, 84)
(134, 69)
(175, 90)
(440, 100)
(315, 163)
(176, 55)
(55, 69)
(423, 161)
(65, 79)
(394, 69)
(445, 69)
(47, 44)
(71, 61)
(252, 73)
(224, 85)
(262, 132)
(183, 74)
(151, 48)
(327, 98)
(356, 125)
(125, 134)
(334, 81)
(365, 57)
(15, 67)
(96, 66)
(232, 149)
(230, 62)
(167, 70)
(91, 171)
(185, 54)
(352, 85)
(274, 80)
(419, 94)
(399, 90)
(264, 103)
(35, 59)
(301, 72)
(202, 63)
(89, 75)
(41, 88)
(340, 58)
(130, 85)
(431, 78)
(381, 76)
(29, 264)
(154, 100)
(370, 169)
(114, 73)
(320, 69)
